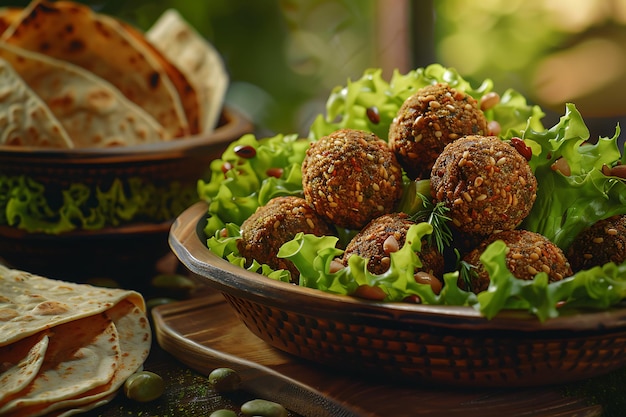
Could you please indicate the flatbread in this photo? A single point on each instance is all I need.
(30, 303)
(21, 363)
(91, 339)
(197, 59)
(82, 355)
(189, 98)
(135, 340)
(91, 110)
(8, 15)
(25, 120)
(98, 43)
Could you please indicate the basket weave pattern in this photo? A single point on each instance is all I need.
(432, 355)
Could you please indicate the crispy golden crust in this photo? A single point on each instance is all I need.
(275, 223)
(528, 254)
(604, 241)
(427, 121)
(351, 177)
(487, 185)
(387, 234)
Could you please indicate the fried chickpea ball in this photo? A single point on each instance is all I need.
(277, 222)
(351, 177)
(387, 234)
(603, 242)
(527, 254)
(427, 121)
(485, 182)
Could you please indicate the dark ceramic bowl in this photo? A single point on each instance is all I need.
(420, 343)
(125, 250)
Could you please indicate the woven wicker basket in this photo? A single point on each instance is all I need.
(125, 250)
(420, 343)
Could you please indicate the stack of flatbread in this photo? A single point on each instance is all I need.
(72, 78)
(65, 347)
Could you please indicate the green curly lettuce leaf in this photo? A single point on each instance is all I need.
(347, 106)
(597, 288)
(238, 185)
(27, 205)
(567, 204)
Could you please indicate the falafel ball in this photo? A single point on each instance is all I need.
(277, 222)
(427, 121)
(486, 184)
(387, 234)
(528, 254)
(351, 177)
(603, 242)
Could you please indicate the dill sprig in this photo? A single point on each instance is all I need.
(436, 216)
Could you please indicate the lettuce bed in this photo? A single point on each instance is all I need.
(565, 205)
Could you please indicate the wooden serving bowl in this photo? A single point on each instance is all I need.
(124, 251)
(419, 343)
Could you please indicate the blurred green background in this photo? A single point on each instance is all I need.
(284, 56)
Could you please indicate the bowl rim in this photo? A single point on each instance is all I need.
(186, 241)
(234, 122)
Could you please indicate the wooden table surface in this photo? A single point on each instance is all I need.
(198, 334)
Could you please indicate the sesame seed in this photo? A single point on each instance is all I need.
(501, 161)
(531, 270)
(458, 202)
(310, 223)
(611, 231)
(598, 240)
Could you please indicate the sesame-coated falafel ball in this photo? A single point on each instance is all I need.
(528, 254)
(603, 242)
(387, 234)
(427, 121)
(350, 177)
(277, 222)
(485, 182)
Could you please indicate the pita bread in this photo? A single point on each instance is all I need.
(91, 340)
(71, 367)
(189, 98)
(91, 110)
(98, 43)
(25, 120)
(135, 338)
(37, 303)
(8, 15)
(197, 59)
(21, 362)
